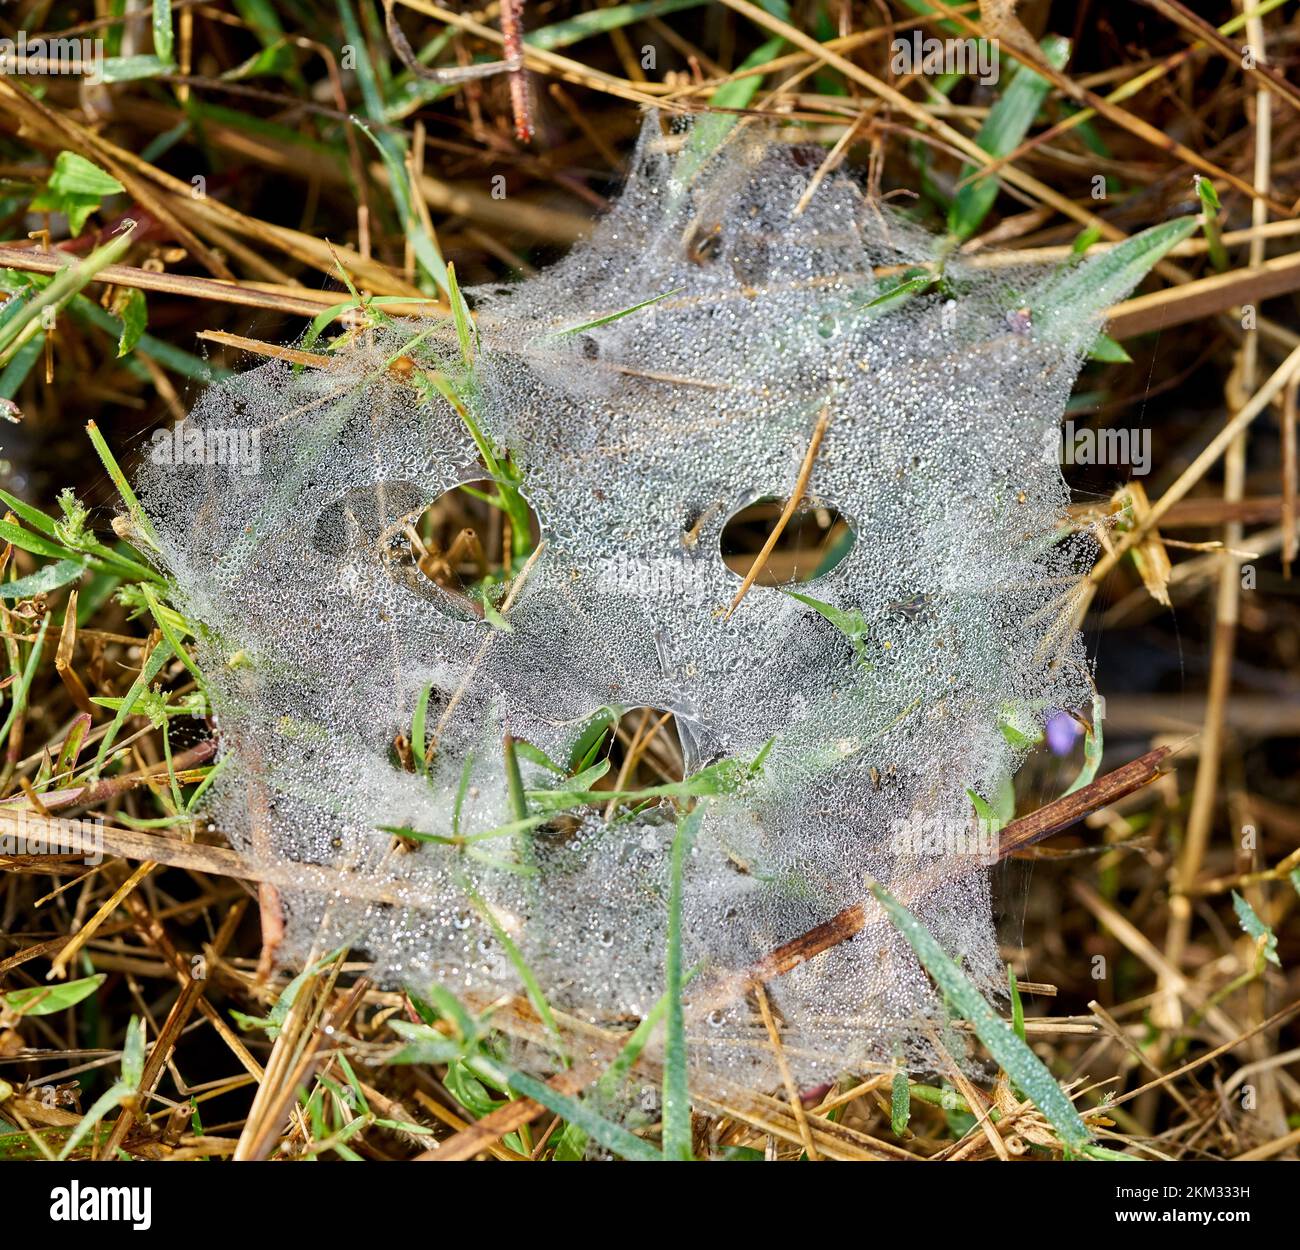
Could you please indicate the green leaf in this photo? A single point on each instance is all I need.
(461, 316)
(1074, 296)
(724, 777)
(19, 691)
(33, 516)
(153, 666)
(45, 1000)
(425, 1044)
(275, 61)
(602, 21)
(1210, 206)
(1021, 1065)
(73, 174)
(604, 321)
(419, 738)
(611, 1136)
(852, 624)
(535, 755)
(532, 986)
(901, 291)
(900, 1103)
(165, 620)
(133, 1052)
(1004, 128)
(36, 544)
(143, 525)
(71, 748)
(44, 580)
(163, 36)
(280, 1012)
(711, 129)
(984, 810)
(450, 1008)
(592, 737)
(573, 1141)
(1250, 922)
(1015, 738)
(1106, 350)
(1093, 746)
(134, 68)
(28, 320)
(133, 312)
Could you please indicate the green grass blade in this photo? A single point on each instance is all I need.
(1025, 1069)
(609, 1135)
(615, 316)
(44, 580)
(44, 1000)
(1007, 123)
(153, 666)
(1075, 296)
(144, 527)
(900, 1103)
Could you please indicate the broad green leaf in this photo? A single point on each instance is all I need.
(1251, 923)
(133, 1053)
(1017, 1007)
(73, 174)
(1106, 350)
(1093, 747)
(33, 516)
(1073, 297)
(36, 544)
(44, 1000)
(425, 1044)
(44, 580)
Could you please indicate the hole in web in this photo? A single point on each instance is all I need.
(641, 745)
(642, 748)
(464, 542)
(816, 539)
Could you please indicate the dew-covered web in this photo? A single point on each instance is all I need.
(636, 441)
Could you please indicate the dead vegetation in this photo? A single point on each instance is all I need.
(1173, 1030)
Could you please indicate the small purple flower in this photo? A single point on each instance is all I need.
(1062, 730)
